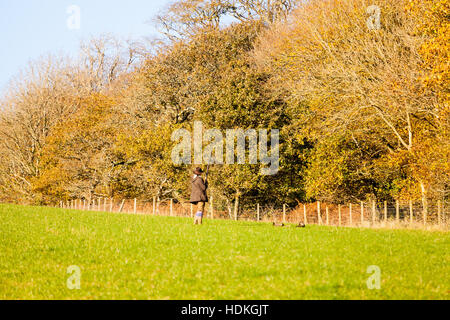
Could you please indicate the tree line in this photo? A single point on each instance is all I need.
(363, 113)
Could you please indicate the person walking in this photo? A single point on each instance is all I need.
(198, 195)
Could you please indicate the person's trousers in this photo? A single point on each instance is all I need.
(201, 207)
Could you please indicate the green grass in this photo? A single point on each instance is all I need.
(145, 257)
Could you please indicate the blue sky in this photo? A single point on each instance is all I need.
(32, 28)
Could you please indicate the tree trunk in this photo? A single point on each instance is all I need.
(236, 207)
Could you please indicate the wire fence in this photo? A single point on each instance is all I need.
(363, 214)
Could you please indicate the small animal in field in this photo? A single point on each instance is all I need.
(278, 224)
(300, 225)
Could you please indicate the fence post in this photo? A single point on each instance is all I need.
(284, 213)
(154, 205)
(397, 211)
(319, 218)
(105, 200)
(385, 211)
(84, 204)
(99, 207)
(362, 212)
(425, 213)
(305, 220)
(374, 211)
(340, 215)
(328, 217)
(411, 213)
(350, 214)
(257, 212)
(171, 207)
(211, 206)
(121, 205)
(135, 206)
(439, 211)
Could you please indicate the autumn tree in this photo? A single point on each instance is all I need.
(355, 80)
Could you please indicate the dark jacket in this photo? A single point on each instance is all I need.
(198, 193)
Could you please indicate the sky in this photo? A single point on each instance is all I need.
(30, 29)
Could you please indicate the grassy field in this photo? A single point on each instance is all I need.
(145, 257)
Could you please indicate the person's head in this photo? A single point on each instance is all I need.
(198, 171)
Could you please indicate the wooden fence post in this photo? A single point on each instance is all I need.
(154, 205)
(305, 219)
(411, 213)
(350, 214)
(284, 213)
(84, 204)
(257, 212)
(425, 213)
(211, 206)
(99, 204)
(236, 207)
(105, 200)
(135, 206)
(439, 211)
(362, 212)
(171, 207)
(328, 216)
(319, 218)
(121, 205)
(374, 211)
(385, 211)
(340, 215)
(397, 210)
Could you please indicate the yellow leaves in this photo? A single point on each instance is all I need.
(432, 20)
